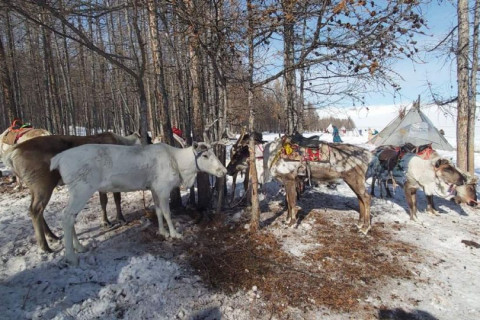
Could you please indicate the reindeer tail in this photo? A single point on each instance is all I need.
(55, 162)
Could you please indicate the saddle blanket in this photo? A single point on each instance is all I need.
(294, 152)
(12, 136)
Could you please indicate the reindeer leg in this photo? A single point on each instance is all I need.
(18, 183)
(165, 209)
(364, 200)
(48, 232)
(39, 200)
(411, 197)
(118, 204)
(78, 197)
(430, 206)
(158, 212)
(372, 187)
(103, 204)
(291, 195)
(76, 244)
(234, 186)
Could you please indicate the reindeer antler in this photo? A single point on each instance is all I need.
(180, 140)
(205, 132)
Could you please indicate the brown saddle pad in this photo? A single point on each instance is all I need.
(9, 137)
(388, 158)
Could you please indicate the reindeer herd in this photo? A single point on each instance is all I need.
(111, 163)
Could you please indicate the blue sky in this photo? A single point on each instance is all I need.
(441, 18)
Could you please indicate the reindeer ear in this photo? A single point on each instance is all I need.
(440, 162)
(203, 147)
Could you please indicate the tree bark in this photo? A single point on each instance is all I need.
(255, 211)
(160, 89)
(203, 183)
(473, 87)
(289, 61)
(463, 84)
(7, 89)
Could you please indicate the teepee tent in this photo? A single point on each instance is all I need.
(413, 127)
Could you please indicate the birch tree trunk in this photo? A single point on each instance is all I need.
(473, 87)
(203, 183)
(255, 211)
(463, 85)
(160, 89)
(289, 61)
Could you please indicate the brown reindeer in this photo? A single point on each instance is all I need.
(30, 161)
(332, 161)
(239, 154)
(9, 138)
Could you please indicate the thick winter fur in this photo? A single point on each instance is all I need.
(341, 161)
(436, 177)
(30, 161)
(385, 163)
(30, 134)
(239, 163)
(157, 167)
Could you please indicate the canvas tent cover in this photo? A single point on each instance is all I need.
(416, 128)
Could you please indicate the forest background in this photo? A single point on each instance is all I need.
(145, 65)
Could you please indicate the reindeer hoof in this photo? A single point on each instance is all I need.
(433, 213)
(176, 235)
(107, 224)
(46, 249)
(163, 232)
(53, 237)
(364, 229)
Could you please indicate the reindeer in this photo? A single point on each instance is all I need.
(386, 159)
(19, 137)
(436, 177)
(30, 161)
(10, 138)
(421, 167)
(336, 161)
(239, 154)
(157, 167)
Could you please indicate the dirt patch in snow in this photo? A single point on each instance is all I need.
(338, 268)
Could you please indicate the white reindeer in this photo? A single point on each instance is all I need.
(111, 168)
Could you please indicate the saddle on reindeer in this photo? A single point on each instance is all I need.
(292, 159)
(303, 149)
(16, 130)
(389, 161)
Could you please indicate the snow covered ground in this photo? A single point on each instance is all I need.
(131, 273)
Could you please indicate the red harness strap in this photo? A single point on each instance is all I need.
(426, 153)
(20, 133)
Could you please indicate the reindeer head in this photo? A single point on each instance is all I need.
(238, 160)
(206, 160)
(467, 192)
(460, 185)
